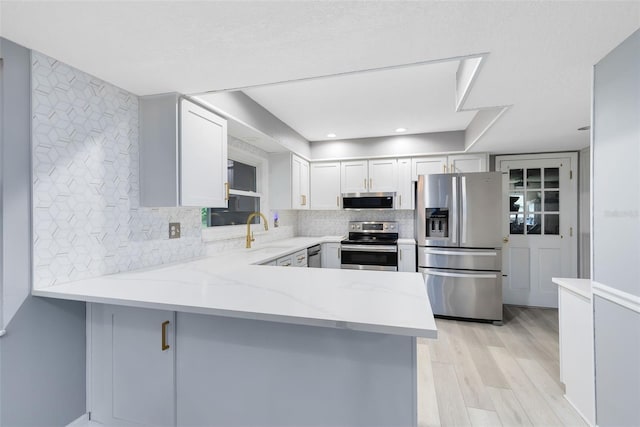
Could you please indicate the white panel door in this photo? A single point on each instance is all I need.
(325, 186)
(133, 376)
(383, 175)
(540, 220)
(405, 193)
(203, 157)
(427, 165)
(354, 176)
(463, 163)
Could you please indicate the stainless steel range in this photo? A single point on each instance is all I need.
(371, 246)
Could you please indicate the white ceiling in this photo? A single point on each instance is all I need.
(420, 99)
(540, 52)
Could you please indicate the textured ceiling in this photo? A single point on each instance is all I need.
(540, 52)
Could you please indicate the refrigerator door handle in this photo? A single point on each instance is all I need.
(463, 204)
(459, 253)
(464, 275)
(454, 210)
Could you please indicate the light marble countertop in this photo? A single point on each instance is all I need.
(578, 286)
(230, 284)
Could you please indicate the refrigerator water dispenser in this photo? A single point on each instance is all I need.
(437, 222)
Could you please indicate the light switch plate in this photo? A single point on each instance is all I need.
(174, 230)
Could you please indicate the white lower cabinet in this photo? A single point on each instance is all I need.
(407, 257)
(285, 261)
(300, 258)
(132, 367)
(330, 256)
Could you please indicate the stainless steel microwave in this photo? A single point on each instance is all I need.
(368, 200)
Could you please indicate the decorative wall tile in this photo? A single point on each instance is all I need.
(335, 223)
(87, 220)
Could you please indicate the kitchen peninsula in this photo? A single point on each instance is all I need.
(247, 344)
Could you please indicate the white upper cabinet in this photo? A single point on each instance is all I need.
(354, 176)
(361, 176)
(405, 194)
(183, 153)
(325, 186)
(456, 163)
(462, 163)
(288, 181)
(427, 165)
(383, 175)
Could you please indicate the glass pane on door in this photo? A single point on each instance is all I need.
(534, 223)
(516, 180)
(552, 201)
(551, 177)
(552, 224)
(533, 178)
(534, 204)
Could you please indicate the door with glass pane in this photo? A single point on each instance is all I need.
(540, 218)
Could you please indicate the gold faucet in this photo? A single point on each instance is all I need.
(250, 237)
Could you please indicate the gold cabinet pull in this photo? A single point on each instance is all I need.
(444, 168)
(226, 191)
(303, 200)
(165, 346)
(452, 170)
(365, 183)
(400, 199)
(370, 183)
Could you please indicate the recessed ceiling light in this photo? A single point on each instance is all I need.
(585, 128)
(401, 130)
(331, 135)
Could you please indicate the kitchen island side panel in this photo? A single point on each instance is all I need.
(233, 372)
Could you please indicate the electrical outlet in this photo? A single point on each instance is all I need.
(174, 230)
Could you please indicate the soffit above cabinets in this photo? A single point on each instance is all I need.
(540, 53)
(419, 98)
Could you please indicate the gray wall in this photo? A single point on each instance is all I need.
(42, 357)
(616, 168)
(617, 359)
(616, 233)
(389, 146)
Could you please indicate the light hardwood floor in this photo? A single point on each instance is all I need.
(478, 374)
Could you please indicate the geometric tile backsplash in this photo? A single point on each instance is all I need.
(86, 215)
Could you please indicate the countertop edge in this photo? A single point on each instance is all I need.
(582, 287)
(277, 318)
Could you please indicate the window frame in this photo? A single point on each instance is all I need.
(262, 181)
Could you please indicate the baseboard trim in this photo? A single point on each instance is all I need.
(81, 421)
(586, 420)
(624, 299)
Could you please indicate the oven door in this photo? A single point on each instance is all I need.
(369, 257)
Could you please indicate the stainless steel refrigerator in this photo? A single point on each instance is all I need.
(458, 230)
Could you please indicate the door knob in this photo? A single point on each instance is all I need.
(505, 239)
